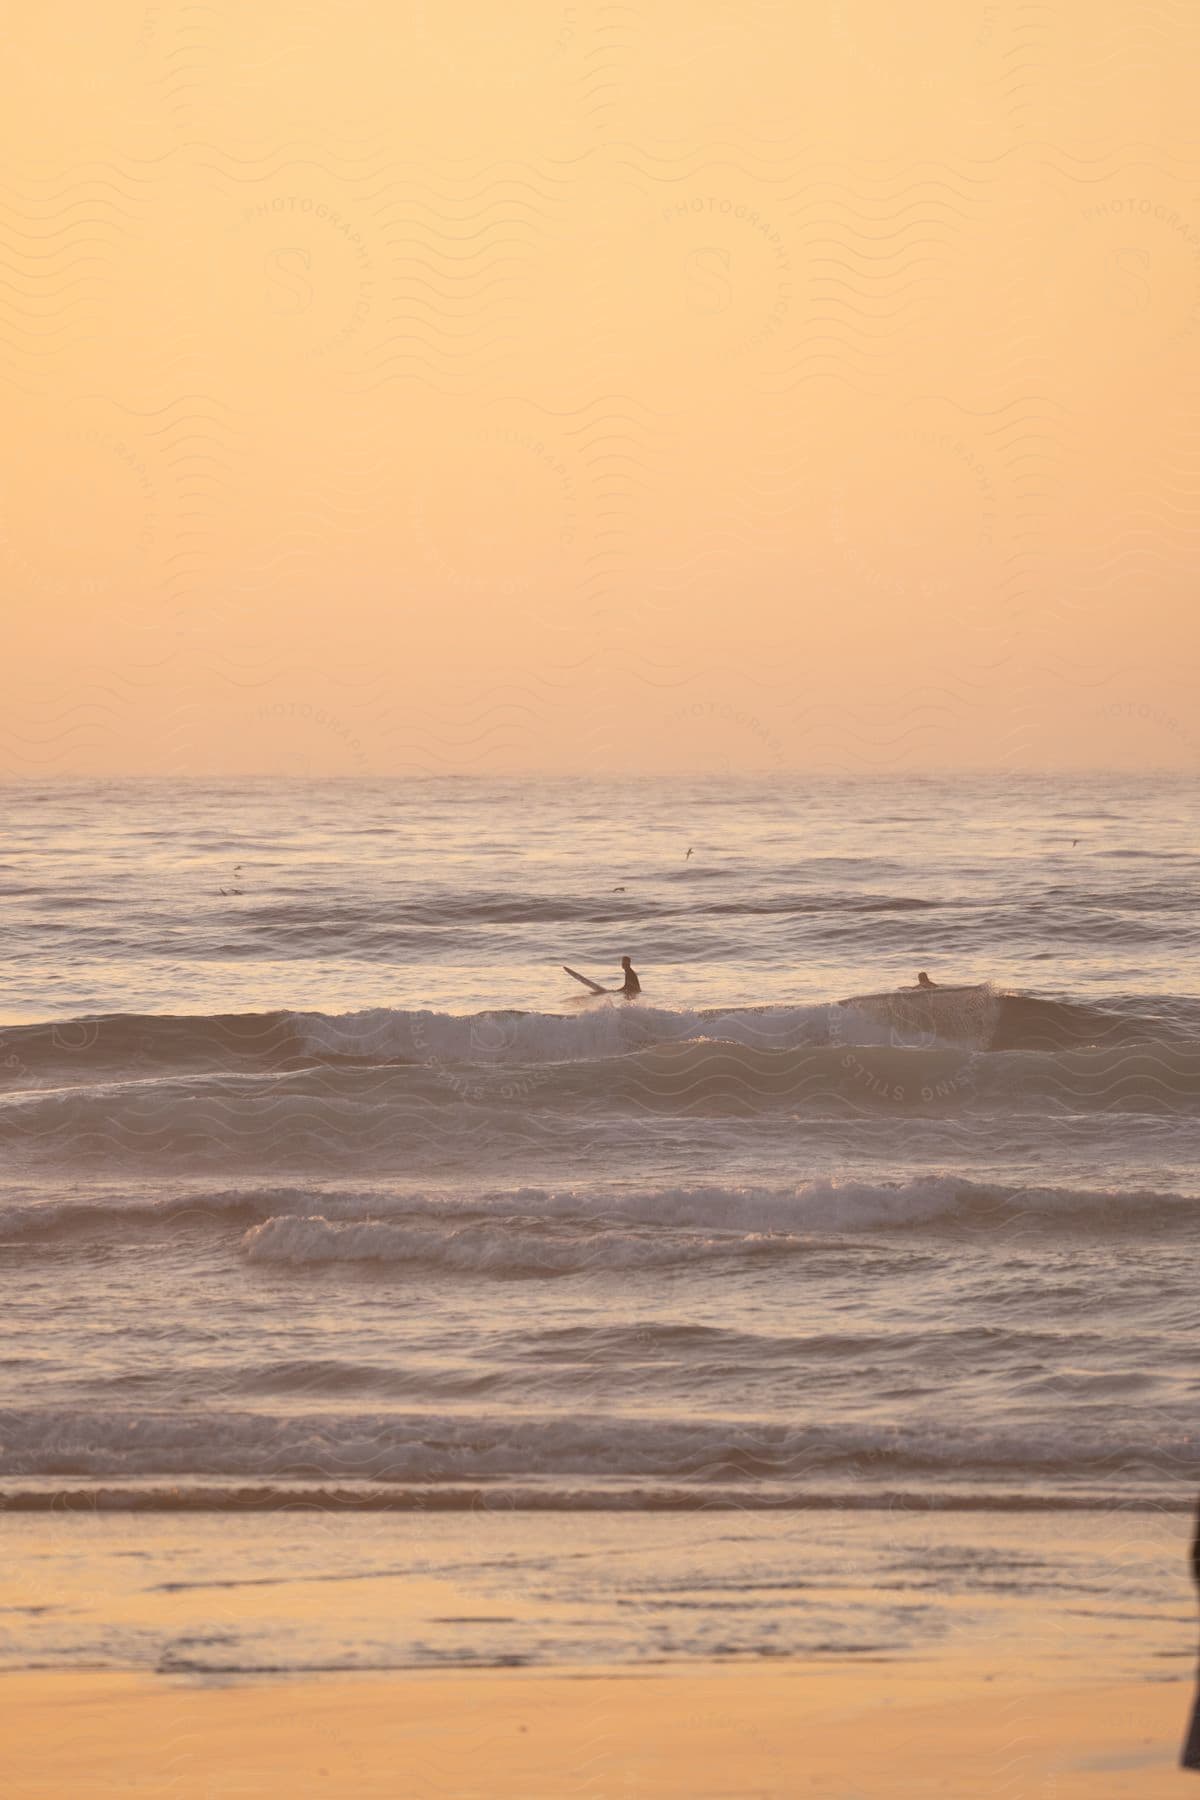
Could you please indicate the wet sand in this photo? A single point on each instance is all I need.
(752, 1732)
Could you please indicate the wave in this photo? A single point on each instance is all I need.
(502, 1445)
(553, 1230)
(649, 1360)
(427, 1117)
(511, 1249)
(555, 1235)
(138, 1044)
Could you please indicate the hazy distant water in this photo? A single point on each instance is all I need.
(323, 1189)
(462, 896)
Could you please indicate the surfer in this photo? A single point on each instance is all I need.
(1191, 1749)
(629, 989)
(924, 981)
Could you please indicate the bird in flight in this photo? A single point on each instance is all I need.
(688, 855)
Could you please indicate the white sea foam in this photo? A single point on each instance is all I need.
(591, 1033)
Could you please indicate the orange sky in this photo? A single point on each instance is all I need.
(598, 387)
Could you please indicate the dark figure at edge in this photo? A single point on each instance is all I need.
(1190, 1758)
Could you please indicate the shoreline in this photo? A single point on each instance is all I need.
(310, 1595)
(980, 1726)
(234, 1497)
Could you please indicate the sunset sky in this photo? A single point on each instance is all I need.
(598, 388)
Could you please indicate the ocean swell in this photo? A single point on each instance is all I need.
(79, 1050)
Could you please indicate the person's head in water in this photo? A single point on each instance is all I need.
(924, 981)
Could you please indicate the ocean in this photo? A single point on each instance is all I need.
(347, 1240)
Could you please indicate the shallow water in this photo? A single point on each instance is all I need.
(217, 1598)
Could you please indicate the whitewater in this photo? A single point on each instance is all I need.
(325, 1192)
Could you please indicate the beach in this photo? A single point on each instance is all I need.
(781, 1384)
(703, 1734)
(1054, 1669)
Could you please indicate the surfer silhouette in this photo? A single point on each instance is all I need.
(924, 981)
(629, 989)
(1190, 1757)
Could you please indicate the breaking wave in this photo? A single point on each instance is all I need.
(561, 1231)
(136, 1044)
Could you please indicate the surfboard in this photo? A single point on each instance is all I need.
(594, 985)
